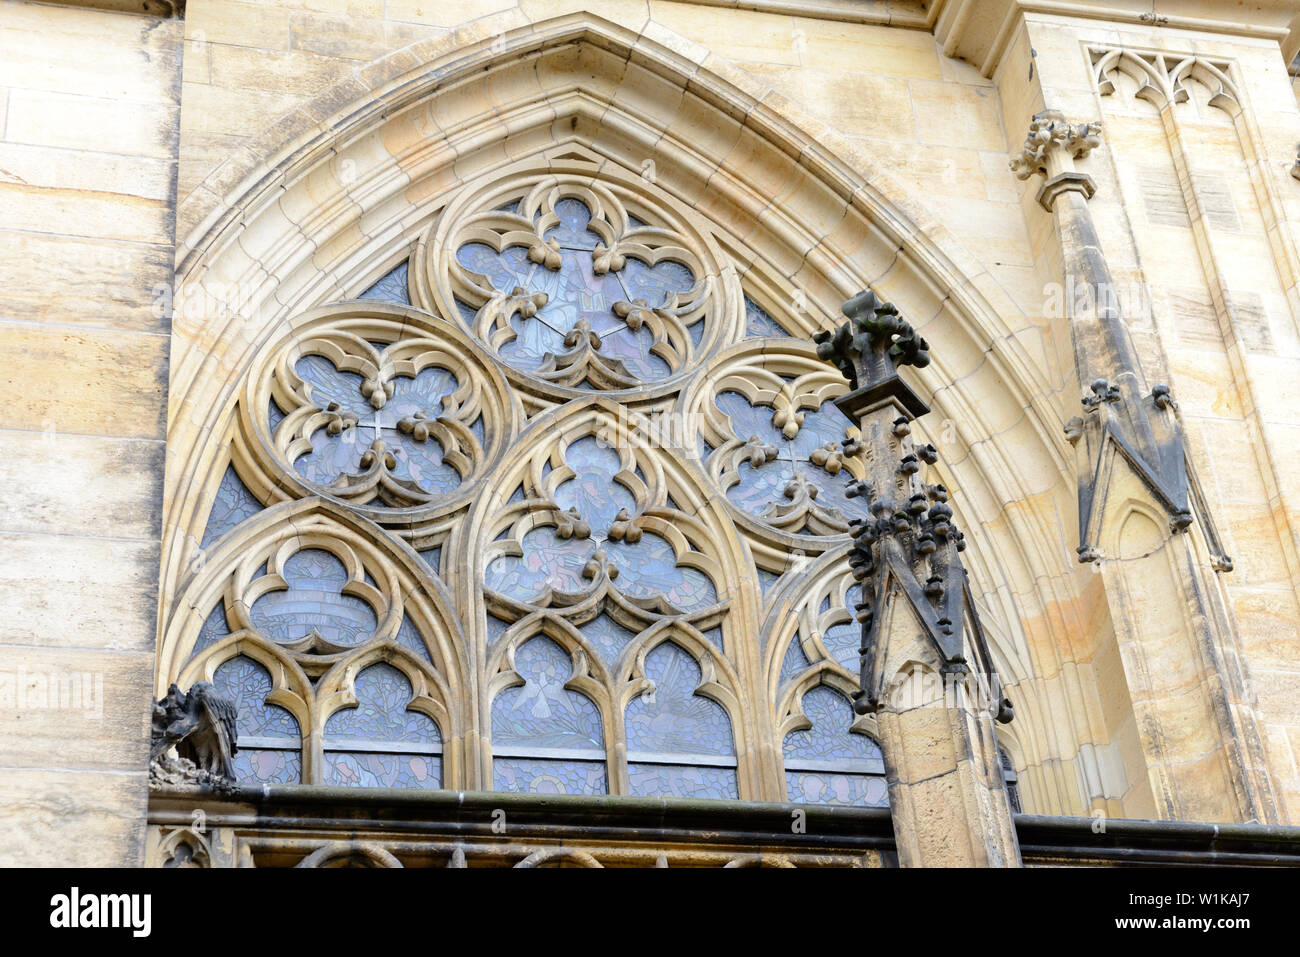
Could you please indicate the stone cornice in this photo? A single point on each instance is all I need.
(150, 8)
(978, 31)
(913, 14)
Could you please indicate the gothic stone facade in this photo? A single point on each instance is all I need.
(437, 380)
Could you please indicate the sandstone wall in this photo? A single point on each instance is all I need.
(89, 114)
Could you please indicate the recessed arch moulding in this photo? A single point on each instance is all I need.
(332, 198)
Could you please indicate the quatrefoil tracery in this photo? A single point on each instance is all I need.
(389, 423)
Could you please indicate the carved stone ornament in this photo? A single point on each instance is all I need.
(1052, 145)
(909, 546)
(1122, 421)
(193, 739)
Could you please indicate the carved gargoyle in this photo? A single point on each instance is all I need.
(194, 739)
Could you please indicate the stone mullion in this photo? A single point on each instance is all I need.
(763, 757)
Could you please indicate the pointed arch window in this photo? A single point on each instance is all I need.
(830, 762)
(546, 738)
(381, 741)
(513, 518)
(679, 742)
(270, 742)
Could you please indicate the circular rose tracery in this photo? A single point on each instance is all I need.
(570, 289)
(389, 411)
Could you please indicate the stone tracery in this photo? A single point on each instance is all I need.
(610, 569)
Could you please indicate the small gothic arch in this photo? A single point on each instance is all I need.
(350, 854)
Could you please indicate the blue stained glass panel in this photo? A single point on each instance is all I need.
(265, 766)
(749, 420)
(759, 323)
(827, 787)
(213, 630)
(496, 627)
(543, 713)
(650, 568)
(574, 216)
(391, 287)
(593, 490)
(371, 769)
(408, 636)
(326, 383)
(761, 488)
(647, 568)
(842, 640)
(608, 636)
(247, 683)
(233, 504)
(828, 763)
(548, 560)
(655, 284)
(313, 600)
(683, 781)
(332, 456)
(672, 718)
(545, 776)
(575, 292)
(795, 661)
(382, 693)
(767, 580)
(829, 738)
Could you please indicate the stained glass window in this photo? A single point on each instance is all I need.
(546, 739)
(314, 602)
(380, 743)
(805, 466)
(679, 742)
(233, 504)
(842, 640)
(795, 661)
(345, 447)
(759, 323)
(830, 764)
(269, 742)
(581, 303)
(423, 431)
(647, 568)
(213, 630)
(608, 637)
(391, 287)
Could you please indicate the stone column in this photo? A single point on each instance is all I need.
(926, 670)
(1138, 497)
